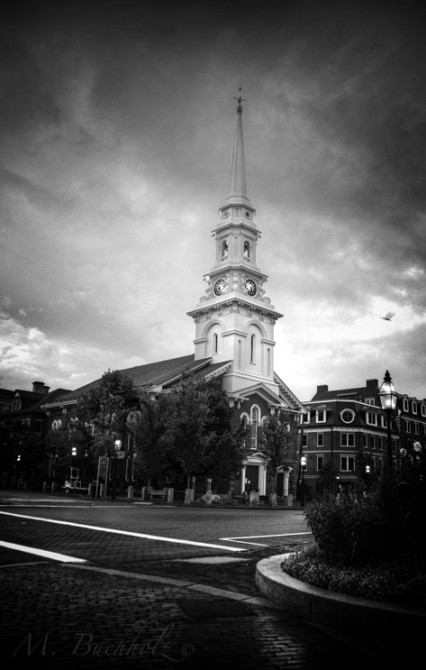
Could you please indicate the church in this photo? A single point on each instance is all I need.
(234, 331)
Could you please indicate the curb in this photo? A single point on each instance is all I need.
(334, 610)
(181, 584)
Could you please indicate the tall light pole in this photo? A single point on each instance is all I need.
(302, 484)
(117, 448)
(388, 398)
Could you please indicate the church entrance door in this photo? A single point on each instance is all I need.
(252, 478)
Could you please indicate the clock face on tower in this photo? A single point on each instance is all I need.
(219, 287)
(251, 287)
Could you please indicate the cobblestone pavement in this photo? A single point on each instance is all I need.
(66, 616)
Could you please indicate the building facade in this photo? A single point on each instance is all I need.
(344, 435)
(23, 429)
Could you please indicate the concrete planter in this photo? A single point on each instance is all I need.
(335, 610)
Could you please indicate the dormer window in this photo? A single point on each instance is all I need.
(414, 407)
(321, 416)
(371, 418)
(347, 415)
(405, 404)
(17, 403)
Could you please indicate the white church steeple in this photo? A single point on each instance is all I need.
(234, 320)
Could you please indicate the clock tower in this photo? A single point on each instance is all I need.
(234, 320)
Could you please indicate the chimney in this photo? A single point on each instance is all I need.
(372, 382)
(39, 387)
(322, 389)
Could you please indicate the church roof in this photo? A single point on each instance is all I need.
(148, 375)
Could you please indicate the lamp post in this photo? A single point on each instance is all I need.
(73, 475)
(117, 448)
(388, 398)
(302, 483)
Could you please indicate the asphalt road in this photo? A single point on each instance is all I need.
(103, 531)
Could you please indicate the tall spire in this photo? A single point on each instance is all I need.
(237, 187)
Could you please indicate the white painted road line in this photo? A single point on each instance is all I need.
(129, 533)
(245, 539)
(41, 552)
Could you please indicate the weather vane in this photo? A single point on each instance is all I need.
(239, 98)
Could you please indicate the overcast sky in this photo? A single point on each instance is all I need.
(117, 121)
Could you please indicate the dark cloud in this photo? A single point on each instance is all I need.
(116, 128)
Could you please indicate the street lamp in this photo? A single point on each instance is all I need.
(388, 398)
(117, 448)
(302, 484)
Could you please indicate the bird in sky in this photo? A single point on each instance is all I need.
(388, 316)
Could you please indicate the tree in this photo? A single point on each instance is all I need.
(149, 431)
(226, 447)
(186, 426)
(199, 431)
(279, 432)
(105, 408)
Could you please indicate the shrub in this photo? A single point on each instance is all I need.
(394, 582)
(352, 530)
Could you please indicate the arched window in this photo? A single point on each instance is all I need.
(255, 419)
(252, 348)
(245, 421)
(224, 249)
(247, 249)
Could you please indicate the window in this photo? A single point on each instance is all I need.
(414, 407)
(347, 463)
(370, 401)
(247, 250)
(224, 249)
(416, 428)
(371, 418)
(405, 404)
(320, 439)
(245, 420)
(255, 419)
(407, 426)
(384, 421)
(423, 409)
(347, 439)
(321, 416)
(347, 415)
(252, 348)
(215, 343)
(304, 440)
(380, 443)
(320, 462)
(364, 440)
(306, 417)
